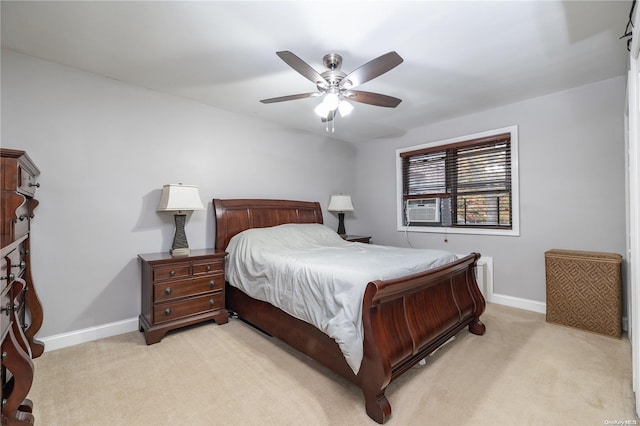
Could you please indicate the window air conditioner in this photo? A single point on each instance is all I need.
(427, 210)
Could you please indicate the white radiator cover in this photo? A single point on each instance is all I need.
(484, 275)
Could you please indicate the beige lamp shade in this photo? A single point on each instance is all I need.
(178, 197)
(340, 203)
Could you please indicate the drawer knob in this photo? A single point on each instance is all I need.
(212, 302)
(212, 284)
(9, 308)
(37, 185)
(21, 265)
(167, 291)
(208, 267)
(167, 311)
(172, 273)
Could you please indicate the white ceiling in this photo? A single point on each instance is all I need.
(459, 57)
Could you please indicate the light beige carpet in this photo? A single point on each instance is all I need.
(523, 371)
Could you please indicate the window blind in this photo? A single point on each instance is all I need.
(474, 176)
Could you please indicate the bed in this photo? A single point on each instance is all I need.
(403, 319)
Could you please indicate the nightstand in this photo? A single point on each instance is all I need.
(357, 239)
(180, 291)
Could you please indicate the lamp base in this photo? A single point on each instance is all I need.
(184, 251)
(180, 246)
(341, 230)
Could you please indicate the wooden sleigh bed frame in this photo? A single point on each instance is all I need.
(404, 319)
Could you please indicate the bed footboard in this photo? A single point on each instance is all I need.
(404, 320)
(408, 318)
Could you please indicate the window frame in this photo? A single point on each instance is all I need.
(515, 187)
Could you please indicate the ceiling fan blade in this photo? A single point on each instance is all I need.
(373, 98)
(372, 69)
(302, 67)
(290, 97)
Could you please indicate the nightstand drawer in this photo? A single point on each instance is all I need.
(357, 239)
(210, 283)
(208, 267)
(175, 270)
(175, 289)
(180, 291)
(170, 311)
(171, 290)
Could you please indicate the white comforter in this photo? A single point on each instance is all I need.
(311, 273)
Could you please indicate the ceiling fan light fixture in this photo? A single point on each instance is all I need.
(331, 100)
(337, 87)
(345, 108)
(322, 110)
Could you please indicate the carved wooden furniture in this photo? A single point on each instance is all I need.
(357, 239)
(181, 290)
(404, 319)
(18, 298)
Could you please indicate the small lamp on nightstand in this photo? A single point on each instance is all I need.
(178, 198)
(341, 204)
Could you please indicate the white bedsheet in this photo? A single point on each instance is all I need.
(311, 273)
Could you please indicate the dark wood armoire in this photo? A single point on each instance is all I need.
(21, 313)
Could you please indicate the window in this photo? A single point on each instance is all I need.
(471, 181)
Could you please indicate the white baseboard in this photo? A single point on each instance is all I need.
(90, 334)
(484, 277)
(516, 302)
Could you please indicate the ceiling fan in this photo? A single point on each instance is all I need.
(337, 86)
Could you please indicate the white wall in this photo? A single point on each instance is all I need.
(106, 148)
(571, 183)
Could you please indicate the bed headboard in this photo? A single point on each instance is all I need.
(235, 215)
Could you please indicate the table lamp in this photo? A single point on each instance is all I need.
(179, 198)
(340, 203)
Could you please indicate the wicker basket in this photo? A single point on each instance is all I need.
(584, 290)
